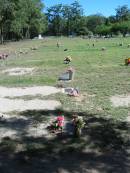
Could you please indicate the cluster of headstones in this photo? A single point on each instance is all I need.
(121, 44)
(25, 51)
(34, 48)
(3, 56)
(22, 51)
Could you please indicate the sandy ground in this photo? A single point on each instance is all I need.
(12, 125)
(18, 71)
(7, 105)
(16, 126)
(24, 126)
(17, 92)
(120, 100)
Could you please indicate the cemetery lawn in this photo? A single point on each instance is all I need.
(99, 75)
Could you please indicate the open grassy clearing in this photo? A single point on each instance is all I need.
(98, 73)
(99, 76)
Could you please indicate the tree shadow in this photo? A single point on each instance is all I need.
(103, 147)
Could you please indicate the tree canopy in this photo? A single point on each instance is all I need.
(69, 20)
(21, 19)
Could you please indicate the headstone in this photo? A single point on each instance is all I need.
(68, 75)
(103, 48)
(39, 36)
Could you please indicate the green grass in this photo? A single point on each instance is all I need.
(99, 73)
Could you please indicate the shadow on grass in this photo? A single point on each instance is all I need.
(103, 147)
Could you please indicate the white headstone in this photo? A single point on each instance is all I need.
(39, 36)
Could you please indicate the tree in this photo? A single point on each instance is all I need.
(112, 19)
(36, 21)
(123, 13)
(122, 27)
(103, 30)
(77, 13)
(95, 20)
(81, 28)
(64, 19)
(6, 15)
(67, 15)
(21, 19)
(55, 19)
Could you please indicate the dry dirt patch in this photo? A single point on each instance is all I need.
(18, 92)
(120, 100)
(13, 125)
(7, 105)
(18, 71)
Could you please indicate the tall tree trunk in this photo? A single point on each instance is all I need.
(68, 27)
(1, 35)
(27, 35)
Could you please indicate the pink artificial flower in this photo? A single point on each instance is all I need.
(60, 121)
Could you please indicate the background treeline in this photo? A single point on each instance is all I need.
(70, 20)
(23, 19)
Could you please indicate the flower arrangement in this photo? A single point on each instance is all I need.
(127, 61)
(78, 125)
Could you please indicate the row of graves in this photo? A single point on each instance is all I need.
(4, 55)
(68, 75)
(77, 123)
